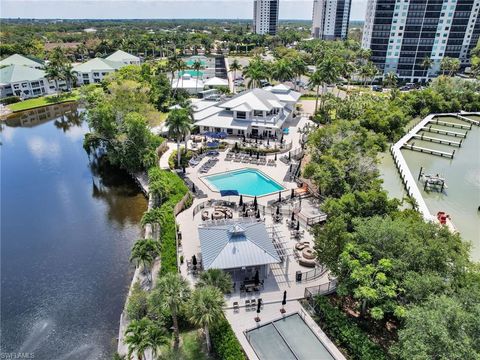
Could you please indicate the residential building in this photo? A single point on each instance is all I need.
(24, 81)
(403, 33)
(265, 16)
(242, 248)
(124, 57)
(256, 112)
(94, 70)
(17, 59)
(330, 19)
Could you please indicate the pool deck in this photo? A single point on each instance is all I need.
(282, 276)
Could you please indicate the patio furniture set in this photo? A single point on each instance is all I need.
(250, 305)
(194, 265)
(218, 213)
(205, 168)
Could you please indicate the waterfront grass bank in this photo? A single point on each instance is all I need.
(44, 101)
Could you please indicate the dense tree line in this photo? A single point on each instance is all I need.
(404, 276)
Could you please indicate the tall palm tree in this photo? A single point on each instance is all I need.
(197, 65)
(426, 65)
(68, 75)
(255, 71)
(157, 337)
(179, 124)
(172, 64)
(235, 66)
(216, 278)
(171, 293)
(326, 73)
(53, 72)
(299, 68)
(144, 252)
(205, 309)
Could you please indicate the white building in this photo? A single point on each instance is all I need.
(330, 19)
(265, 16)
(24, 81)
(94, 70)
(402, 34)
(17, 59)
(257, 112)
(124, 57)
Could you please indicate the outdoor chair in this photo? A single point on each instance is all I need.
(253, 303)
(236, 307)
(247, 305)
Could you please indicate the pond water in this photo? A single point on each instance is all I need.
(67, 228)
(462, 174)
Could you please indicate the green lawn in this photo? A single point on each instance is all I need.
(44, 101)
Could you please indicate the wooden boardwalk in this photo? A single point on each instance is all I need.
(465, 117)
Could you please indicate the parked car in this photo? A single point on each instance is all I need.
(264, 83)
(377, 88)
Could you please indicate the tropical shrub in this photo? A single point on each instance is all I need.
(224, 342)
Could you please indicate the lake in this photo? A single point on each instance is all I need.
(68, 225)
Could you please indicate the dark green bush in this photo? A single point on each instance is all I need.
(224, 342)
(10, 100)
(346, 334)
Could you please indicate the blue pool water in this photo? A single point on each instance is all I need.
(248, 182)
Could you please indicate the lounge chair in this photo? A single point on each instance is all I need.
(247, 305)
(253, 304)
(236, 307)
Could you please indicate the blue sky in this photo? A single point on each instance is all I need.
(157, 9)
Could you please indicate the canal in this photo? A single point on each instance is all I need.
(462, 174)
(67, 228)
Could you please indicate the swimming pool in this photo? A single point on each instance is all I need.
(250, 182)
(289, 338)
(192, 73)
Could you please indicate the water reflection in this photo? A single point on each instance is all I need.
(68, 223)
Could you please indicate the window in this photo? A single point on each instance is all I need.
(241, 115)
(96, 74)
(257, 113)
(229, 131)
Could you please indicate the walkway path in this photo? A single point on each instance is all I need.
(163, 163)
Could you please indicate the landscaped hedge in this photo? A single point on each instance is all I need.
(175, 190)
(10, 100)
(346, 334)
(224, 342)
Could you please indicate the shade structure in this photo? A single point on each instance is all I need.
(229, 193)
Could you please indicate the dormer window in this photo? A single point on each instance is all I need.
(241, 115)
(257, 113)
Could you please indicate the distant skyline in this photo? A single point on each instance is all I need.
(157, 9)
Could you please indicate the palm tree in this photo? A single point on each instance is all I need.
(68, 75)
(144, 252)
(450, 65)
(299, 68)
(53, 72)
(144, 334)
(172, 64)
(390, 79)
(179, 124)
(216, 278)
(136, 337)
(427, 64)
(282, 70)
(255, 71)
(171, 293)
(235, 66)
(326, 73)
(197, 65)
(205, 309)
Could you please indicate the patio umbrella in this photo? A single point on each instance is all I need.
(284, 302)
(257, 278)
(278, 210)
(244, 208)
(298, 225)
(258, 155)
(289, 156)
(194, 262)
(258, 214)
(194, 190)
(293, 216)
(259, 305)
(244, 138)
(268, 141)
(279, 196)
(240, 202)
(275, 156)
(255, 203)
(183, 169)
(281, 138)
(292, 194)
(235, 146)
(290, 170)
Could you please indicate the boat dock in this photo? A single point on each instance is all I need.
(408, 179)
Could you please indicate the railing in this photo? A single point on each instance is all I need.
(322, 289)
(313, 274)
